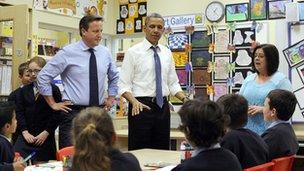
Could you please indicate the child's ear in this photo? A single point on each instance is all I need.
(273, 113)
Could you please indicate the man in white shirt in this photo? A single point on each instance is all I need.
(147, 78)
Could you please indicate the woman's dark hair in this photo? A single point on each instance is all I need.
(86, 20)
(271, 56)
(202, 122)
(93, 133)
(236, 106)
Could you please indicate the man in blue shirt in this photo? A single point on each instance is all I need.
(83, 67)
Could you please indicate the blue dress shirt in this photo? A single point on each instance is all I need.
(72, 63)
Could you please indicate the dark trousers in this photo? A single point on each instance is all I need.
(151, 128)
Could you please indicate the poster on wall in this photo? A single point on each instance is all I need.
(243, 37)
(177, 41)
(138, 24)
(200, 58)
(200, 39)
(201, 77)
(120, 26)
(133, 10)
(237, 12)
(129, 25)
(221, 64)
(182, 75)
(123, 11)
(295, 53)
(142, 9)
(258, 9)
(276, 9)
(221, 41)
(242, 57)
(180, 58)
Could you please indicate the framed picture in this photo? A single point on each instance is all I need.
(219, 90)
(180, 58)
(295, 53)
(299, 94)
(237, 12)
(200, 92)
(221, 41)
(221, 70)
(258, 9)
(240, 75)
(300, 70)
(200, 39)
(201, 77)
(200, 58)
(276, 9)
(242, 57)
(138, 24)
(301, 9)
(182, 76)
(123, 11)
(178, 41)
(120, 26)
(243, 37)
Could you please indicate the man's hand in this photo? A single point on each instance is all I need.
(62, 106)
(138, 107)
(109, 102)
(28, 137)
(41, 138)
(19, 166)
(253, 110)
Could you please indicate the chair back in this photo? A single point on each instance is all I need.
(67, 151)
(283, 163)
(262, 167)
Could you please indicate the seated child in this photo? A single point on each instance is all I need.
(203, 124)
(94, 138)
(8, 124)
(249, 147)
(279, 106)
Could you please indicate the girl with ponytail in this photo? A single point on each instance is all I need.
(94, 139)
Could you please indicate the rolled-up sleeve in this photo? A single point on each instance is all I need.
(173, 82)
(126, 74)
(112, 78)
(52, 69)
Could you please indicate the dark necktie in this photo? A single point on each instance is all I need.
(94, 98)
(158, 79)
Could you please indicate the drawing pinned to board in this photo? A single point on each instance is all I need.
(299, 94)
(242, 57)
(240, 75)
(220, 89)
(243, 37)
(221, 63)
(177, 41)
(182, 76)
(200, 39)
(295, 53)
(200, 58)
(276, 9)
(300, 70)
(258, 10)
(180, 58)
(221, 41)
(201, 77)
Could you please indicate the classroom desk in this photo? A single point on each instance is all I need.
(145, 156)
(51, 166)
(122, 139)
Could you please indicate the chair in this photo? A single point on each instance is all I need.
(67, 151)
(283, 163)
(262, 167)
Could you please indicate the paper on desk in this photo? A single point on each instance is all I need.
(167, 168)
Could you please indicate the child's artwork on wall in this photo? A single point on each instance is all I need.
(177, 41)
(221, 70)
(200, 39)
(221, 41)
(201, 77)
(276, 9)
(200, 58)
(200, 92)
(295, 53)
(300, 70)
(301, 9)
(242, 57)
(299, 94)
(258, 9)
(240, 75)
(180, 58)
(182, 76)
(243, 37)
(237, 12)
(219, 90)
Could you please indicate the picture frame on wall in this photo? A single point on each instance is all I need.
(301, 10)
(242, 57)
(200, 77)
(276, 9)
(258, 9)
(295, 53)
(200, 58)
(240, 75)
(221, 73)
(299, 94)
(177, 41)
(237, 12)
(243, 37)
(182, 75)
(200, 39)
(200, 92)
(300, 70)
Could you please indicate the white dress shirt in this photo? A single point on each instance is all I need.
(137, 74)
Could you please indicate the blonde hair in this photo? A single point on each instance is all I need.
(93, 133)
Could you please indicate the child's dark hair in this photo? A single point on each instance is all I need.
(236, 106)
(93, 133)
(22, 67)
(6, 113)
(203, 122)
(284, 102)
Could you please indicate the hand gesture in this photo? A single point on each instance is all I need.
(28, 137)
(138, 107)
(109, 102)
(253, 110)
(41, 138)
(19, 165)
(62, 106)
